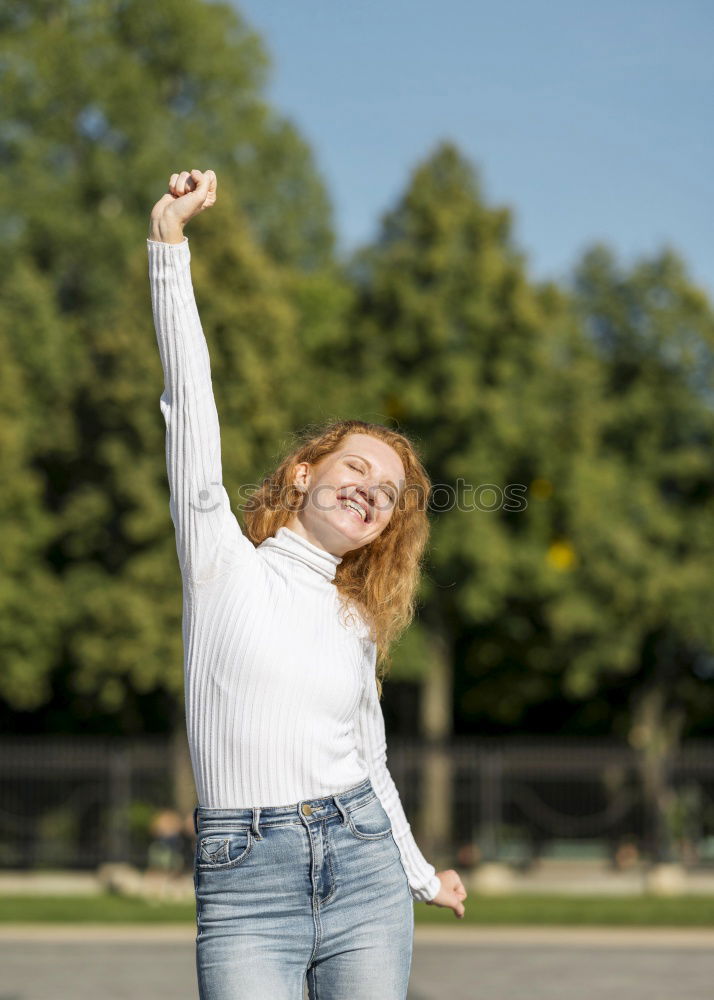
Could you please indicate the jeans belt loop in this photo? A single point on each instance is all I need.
(255, 824)
(341, 807)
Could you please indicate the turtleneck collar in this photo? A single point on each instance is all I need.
(294, 546)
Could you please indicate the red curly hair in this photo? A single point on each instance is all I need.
(382, 577)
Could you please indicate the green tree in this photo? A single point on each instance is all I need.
(601, 408)
(30, 618)
(454, 345)
(102, 100)
(646, 568)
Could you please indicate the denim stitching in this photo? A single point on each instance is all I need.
(231, 826)
(315, 906)
(207, 821)
(406, 877)
(209, 866)
(369, 836)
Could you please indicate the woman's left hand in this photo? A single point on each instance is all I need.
(451, 894)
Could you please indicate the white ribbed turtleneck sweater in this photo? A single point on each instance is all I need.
(281, 698)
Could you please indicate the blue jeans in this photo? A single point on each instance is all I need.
(312, 890)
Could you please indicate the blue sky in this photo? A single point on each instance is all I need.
(592, 121)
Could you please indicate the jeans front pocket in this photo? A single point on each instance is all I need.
(369, 820)
(218, 852)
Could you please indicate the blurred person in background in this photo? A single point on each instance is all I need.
(166, 848)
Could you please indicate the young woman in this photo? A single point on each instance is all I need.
(305, 863)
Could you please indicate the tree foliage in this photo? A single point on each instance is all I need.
(101, 101)
(596, 403)
(568, 431)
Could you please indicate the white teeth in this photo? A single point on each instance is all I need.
(355, 506)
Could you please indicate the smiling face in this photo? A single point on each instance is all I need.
(350, 494)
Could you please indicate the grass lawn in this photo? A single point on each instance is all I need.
(644, 911)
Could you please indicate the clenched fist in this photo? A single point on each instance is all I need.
(190, 192)
(452, 893)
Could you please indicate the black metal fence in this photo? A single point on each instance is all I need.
(519, 801)
(77, 802)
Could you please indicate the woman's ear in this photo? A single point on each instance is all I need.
(301, 476)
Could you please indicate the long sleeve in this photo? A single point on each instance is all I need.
(424, 883)
(209, 540)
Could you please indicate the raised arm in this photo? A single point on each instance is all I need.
(208, 537)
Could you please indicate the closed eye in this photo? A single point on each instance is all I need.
(389, 493)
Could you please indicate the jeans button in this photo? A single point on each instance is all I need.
(307, 809)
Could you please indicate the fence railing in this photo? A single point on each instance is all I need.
(78, 802)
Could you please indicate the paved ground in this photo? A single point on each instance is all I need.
(146, 963)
